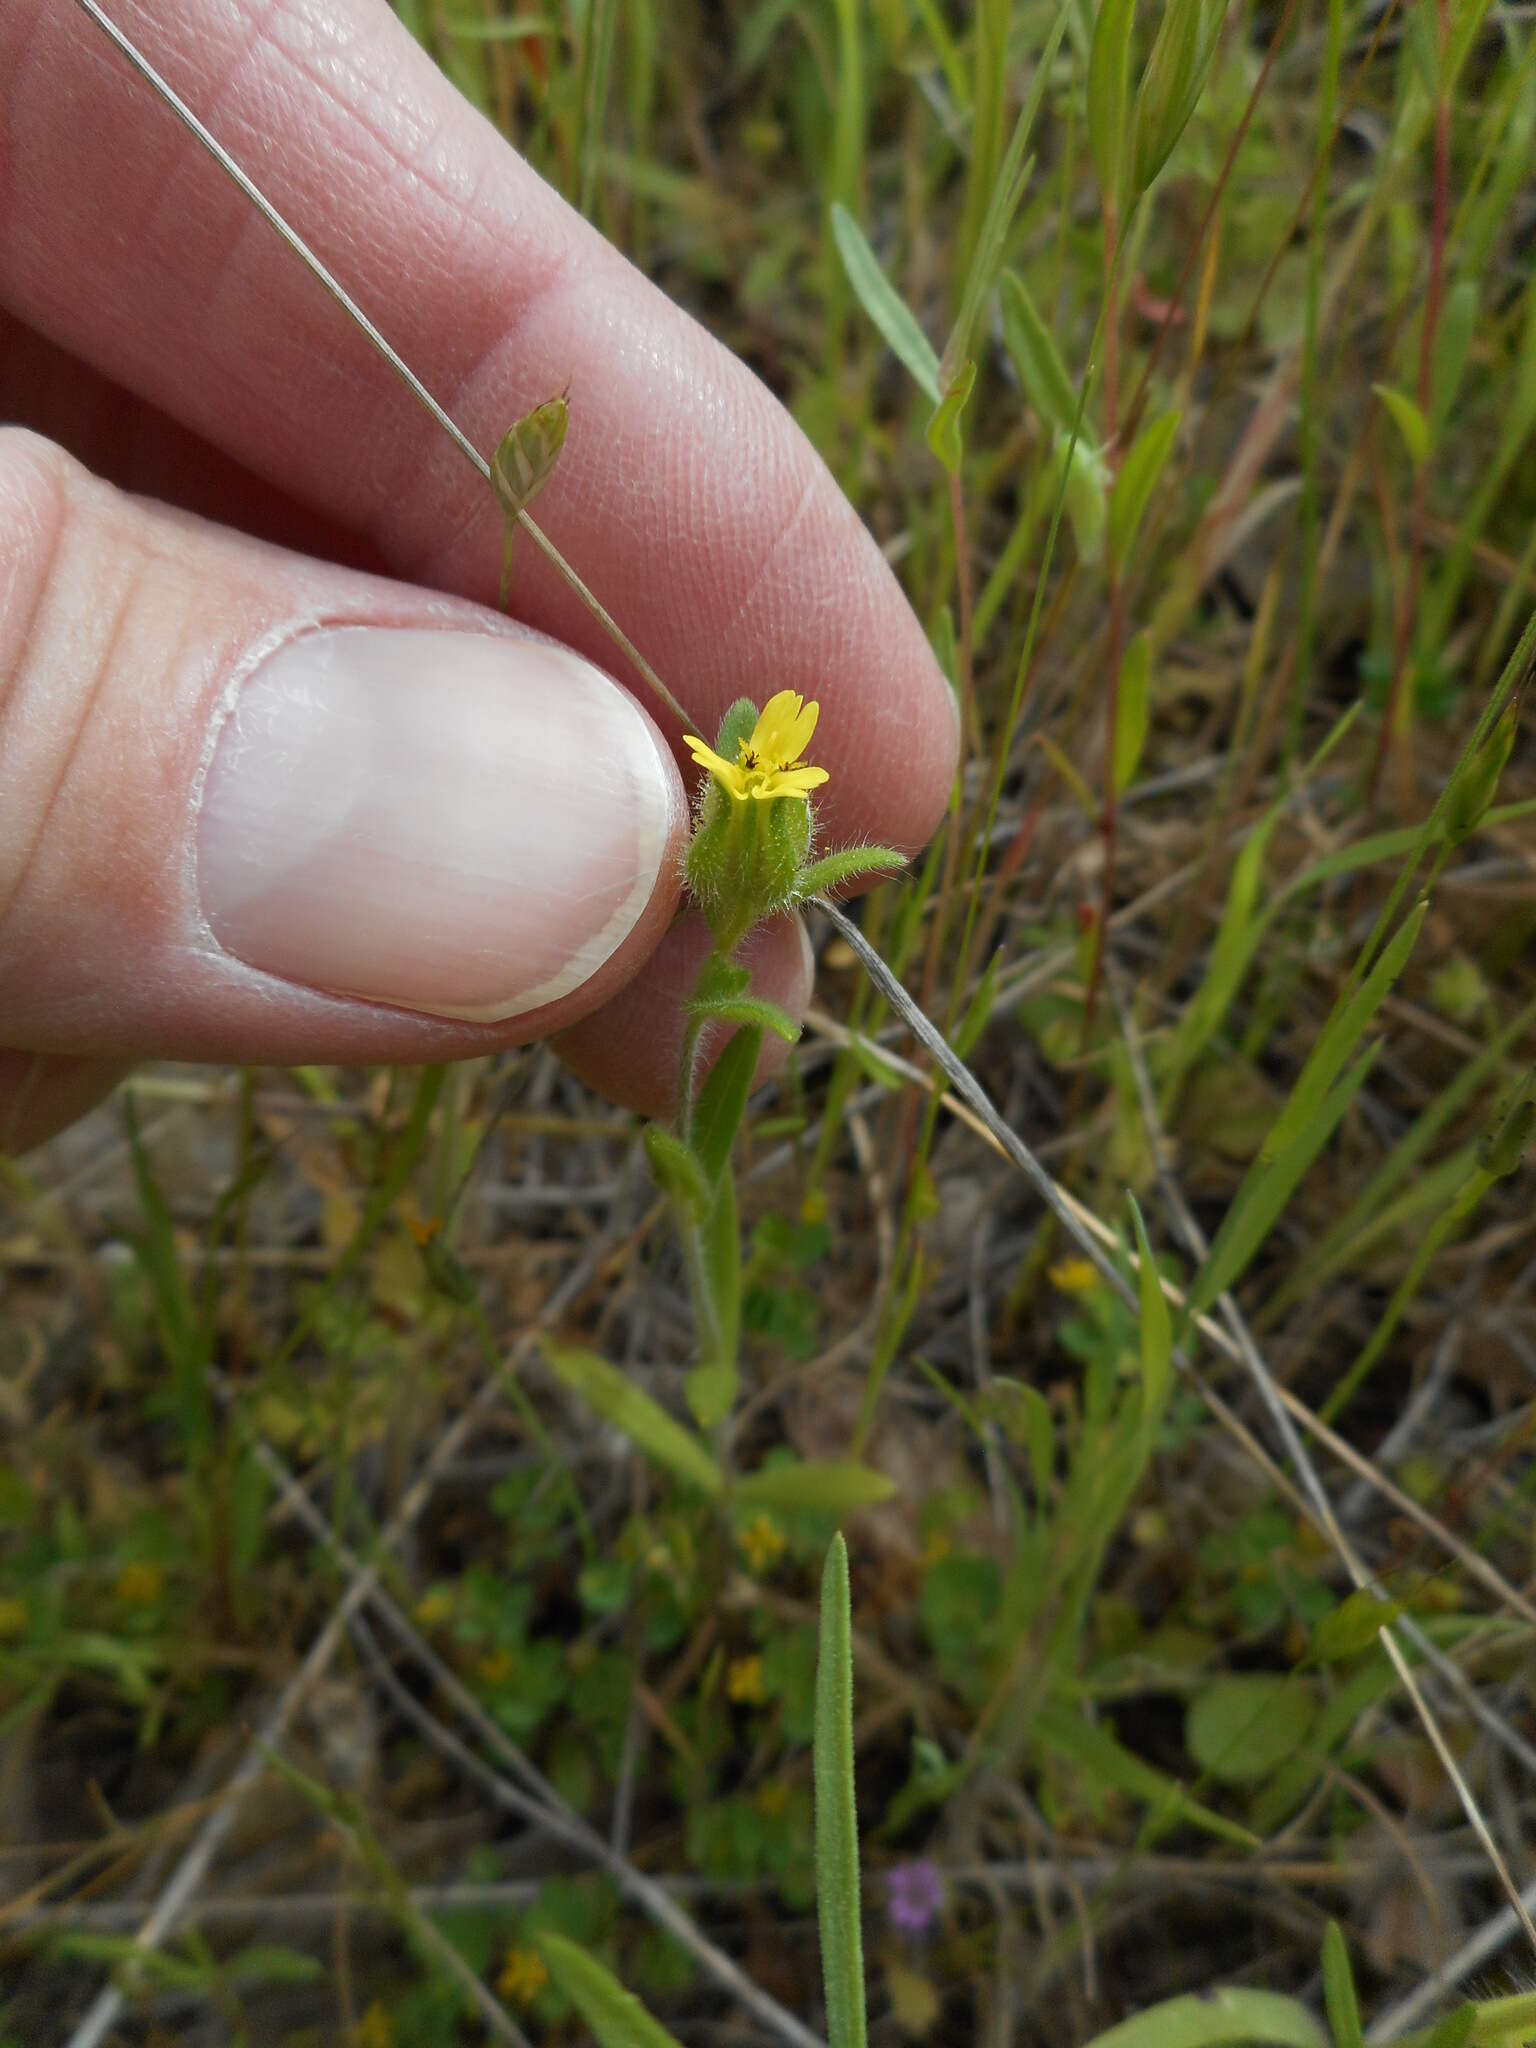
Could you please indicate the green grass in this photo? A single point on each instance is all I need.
(1228, 551)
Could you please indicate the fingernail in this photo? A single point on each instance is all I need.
(460, 823)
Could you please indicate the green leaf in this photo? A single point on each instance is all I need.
(978, 1011)
(634, 1414)
(1085, 494)
(1098, 1753)
(1241, 1727)
(1156, 1330)
(1036, 358)
(616, 2016)
(1170, 84)
(836, 1489)
(753, 1011)
(944, 428)
(835, 868)
(1266, 1188)
(1353, 1625)
(1454, 2031)
(1133, 711)
(711, 1388)
(837, 1825)
(1339, 1991)
(678, 1170)
(884, 305)
(1411, 423)
(1453, 344)
(722, 1100)
(1218, 2019)
(1135, 484)
(1109, 71)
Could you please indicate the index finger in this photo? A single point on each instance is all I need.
(685, 495)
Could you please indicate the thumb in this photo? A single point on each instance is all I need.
(262, 808)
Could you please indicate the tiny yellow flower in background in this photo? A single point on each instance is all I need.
(13, 1619)
(523, 1976)
(375, 2029)
(139, 1585)
(496, 1667)
(1074, 1276)
(770, 763)
(744, 1682)
(772, 1798)
(434, 1608)
(763, 1542)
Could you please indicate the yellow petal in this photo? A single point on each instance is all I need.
(798, 781)
(777, 734)
(726, 773)
(800, 737)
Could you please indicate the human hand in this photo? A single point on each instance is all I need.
(257, 802)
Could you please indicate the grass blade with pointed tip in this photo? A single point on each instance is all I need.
(616, 2016)
(884, 304)
(647, 1425)
(837, 1824)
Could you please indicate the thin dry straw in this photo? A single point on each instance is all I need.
(293, 240)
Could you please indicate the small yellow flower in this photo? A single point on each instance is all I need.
(496, 1667)
(13, 1619)
(523, 1976)
(763, 1542)
(772, 1797)
(434, 1608)
(139, 1585)
(771, 762)
(375, 2029)
(744, 1682)
(1074, 1276)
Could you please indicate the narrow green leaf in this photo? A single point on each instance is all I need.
(837, 1824)
(978, 1011)
(943, 432)
(1453, 344)
(1265, 1191)
(634, 1414)
(1035, 356)
(839, 1489)
(1156, 1329)
(1353, 1625)
(1218, 2019)
(1411, 423)
(835, 868)
(1454, 2031)
(1109, 71)
(711, 1388)
(749, 1010)
(1339, 1991)
(1133, 711)
(616, 2016)
(1170, 84)
(1093, 1749)
(884, 305)
(1136, 482)
(1347, 1024)
(678, 1170)
(723, 1098)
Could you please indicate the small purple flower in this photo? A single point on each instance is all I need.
(914, 1895)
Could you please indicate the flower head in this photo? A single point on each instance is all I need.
(770, 760)
(914, 1895)
(523, 1976)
